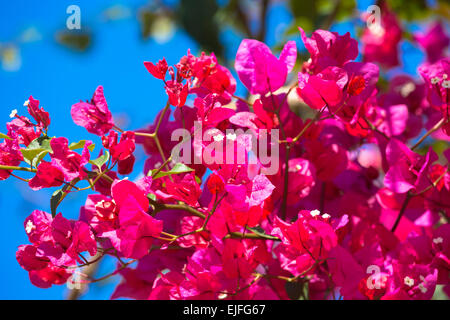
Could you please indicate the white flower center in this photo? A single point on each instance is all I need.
(26, 103)
(13, 113)
(29, 227)
(408, 281)
(435, 80)
(438, 240)
(446, 84)
(315, 213)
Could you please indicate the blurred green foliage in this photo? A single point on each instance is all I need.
(204, 20)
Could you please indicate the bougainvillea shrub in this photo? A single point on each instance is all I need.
(241, 197)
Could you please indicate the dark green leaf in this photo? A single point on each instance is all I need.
(197, 17)
(54, 201)
(146, 19)
(294, 290)
(74, 39)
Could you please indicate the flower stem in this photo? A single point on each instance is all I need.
(409, 195)
(435, 128)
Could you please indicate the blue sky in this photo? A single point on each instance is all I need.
(59, 78)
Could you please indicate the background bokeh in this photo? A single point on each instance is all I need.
(39, 56)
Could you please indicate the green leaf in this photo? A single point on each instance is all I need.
(178, 168)
(36, 151)
(54, 201)
(33, 156)
(59, 194)
(41, 143)
(4, 136)
(80, 144)
(151, 196)
(100, 161)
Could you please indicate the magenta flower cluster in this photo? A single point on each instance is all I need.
(356, 210)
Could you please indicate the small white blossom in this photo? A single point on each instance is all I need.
(446, 84)
(26, 103)
(408, 281)
(29, 227)
(13, 113)
(438, 240)
(315, 213)
(326, 216)
(435, 80)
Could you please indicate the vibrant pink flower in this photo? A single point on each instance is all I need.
(185, 189)
(22, 130)
(323, 89)
(210, 111)
(305, 242)
(328, 49)
(101, 213)
(434, 41)
(208, 76)
(216, 183)
(38, 226)
(261, 189)
(94, 115)
(137, 229)
(259, 70)
(408, 170)
(238, 261)
(301, 179)
(121, 152)
(26, 256)
(436, 78)
(167, 287)
(362, 78)
(177, 93)
(10, 155)
(391, 120)
(48, 276)
(40, 115)
(70, 163)
(159, 70)
(82, 240)
(197, 239)
(321, 154)
(381, 41)
(345, 272)
(47, 176)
